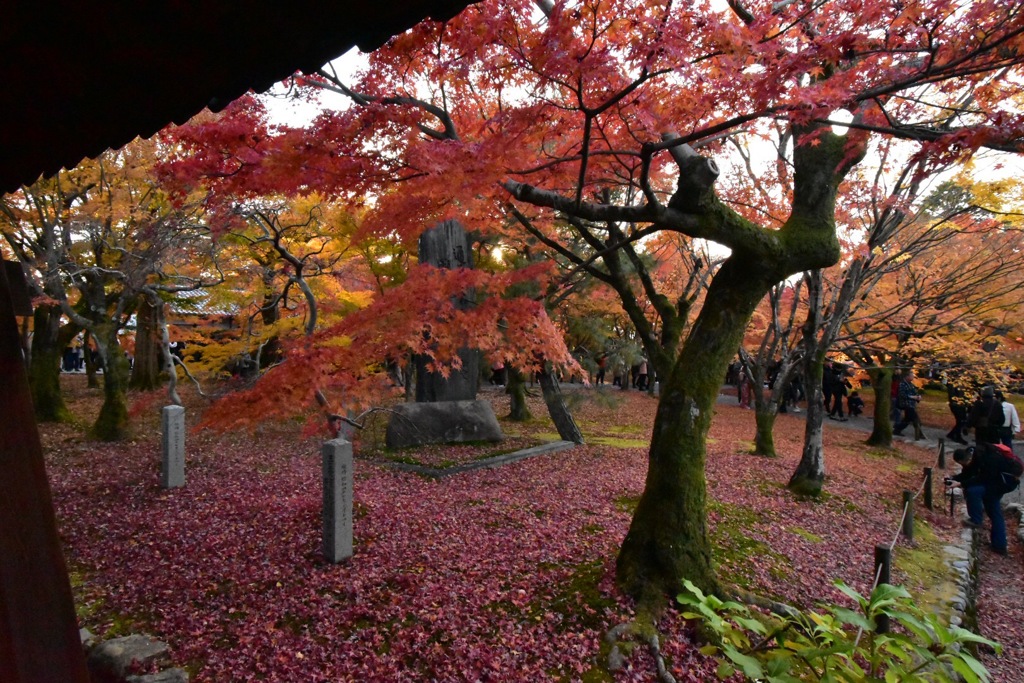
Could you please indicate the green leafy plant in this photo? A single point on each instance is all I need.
(837, 643)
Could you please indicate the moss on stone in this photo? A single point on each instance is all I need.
(925, 572)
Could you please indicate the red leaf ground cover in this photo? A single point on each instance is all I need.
(499, 574)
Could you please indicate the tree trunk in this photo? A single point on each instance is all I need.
(764, 437)
(881, 384)
(270, 313)
(148, 352)
(112, 422)
(518, 410)
(809, 475)
(559, 412)
(668, 537)
(44, 368)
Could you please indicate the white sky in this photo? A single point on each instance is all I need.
(284, 110)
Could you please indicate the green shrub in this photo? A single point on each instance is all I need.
(837, 644)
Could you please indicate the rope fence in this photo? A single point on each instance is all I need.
(883, 552)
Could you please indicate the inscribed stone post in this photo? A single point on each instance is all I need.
(172, 474)
(337, 510)
(447, 246)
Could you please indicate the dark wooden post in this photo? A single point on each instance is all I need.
(908, 515)
(39, 641)
(928, 502)
(883, 570)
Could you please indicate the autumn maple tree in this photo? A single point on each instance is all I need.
(605, 119)
(102, 239)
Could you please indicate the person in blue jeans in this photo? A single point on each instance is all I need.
(984, 479)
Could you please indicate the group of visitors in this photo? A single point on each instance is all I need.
(989, 468)
(73, 359)
(991, 416)
(625, 376)
(836, 389)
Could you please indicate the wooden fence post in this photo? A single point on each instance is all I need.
(883, 568)
(908, 515)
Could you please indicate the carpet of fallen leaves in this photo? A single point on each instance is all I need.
(501, 574)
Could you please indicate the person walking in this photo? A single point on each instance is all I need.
(840, 388)
(984, 478)
(907, 399)
(744, 389)
(1011, 421)
(827, 386)
(958, 407)
(641, 374)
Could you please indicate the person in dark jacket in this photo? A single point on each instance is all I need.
(984, 479)
(958, 406)
(840, 387)
(908, 397)
(855, 403)
(986, 416)
(827, 386)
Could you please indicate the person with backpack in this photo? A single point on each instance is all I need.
(987, 416)
(1011, 421)
(987, 472)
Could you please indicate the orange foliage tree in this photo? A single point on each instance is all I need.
(590, 127)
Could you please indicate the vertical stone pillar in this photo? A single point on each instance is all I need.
(447, 245)
(337, 510)
(172, 473)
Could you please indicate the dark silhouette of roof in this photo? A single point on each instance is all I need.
(82, 77)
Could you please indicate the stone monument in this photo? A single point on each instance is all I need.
(447, 246)
(454, 414)
(337, 508)
(172, 473)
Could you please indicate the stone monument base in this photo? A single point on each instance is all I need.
(414, 424)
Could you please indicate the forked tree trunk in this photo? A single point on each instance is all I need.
(809, 476)
(112, 422)
(44, 367)
(881, 384)
(668, 537)
(518, 410)
(559, 412)
(148, 348)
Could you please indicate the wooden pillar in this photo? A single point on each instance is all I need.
(39, 641)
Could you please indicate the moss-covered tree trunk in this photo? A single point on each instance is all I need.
(516, 390)
(809, 476)
(881, 385)
(668, 537)
(566, 425)
(764, 436)
(148, 348)
(44, 367)
(112, 422)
